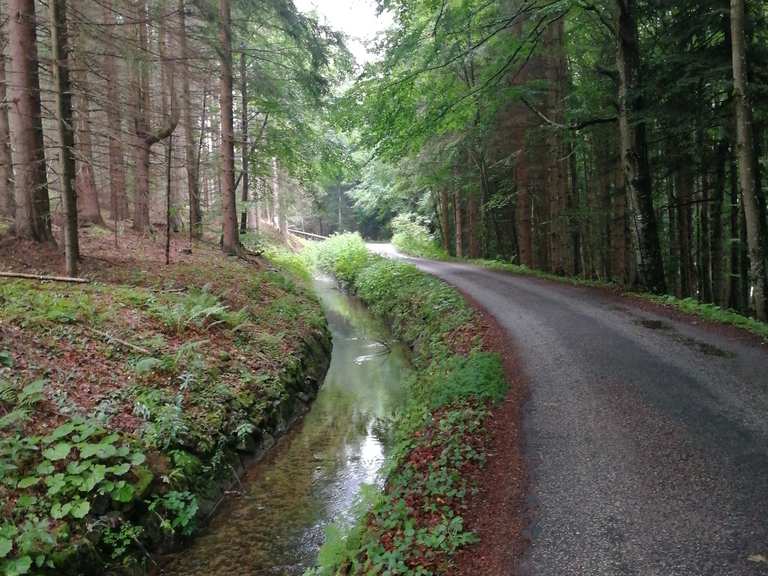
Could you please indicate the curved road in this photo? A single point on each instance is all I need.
(646, 437)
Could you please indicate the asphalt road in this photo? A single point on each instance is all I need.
(646, 437)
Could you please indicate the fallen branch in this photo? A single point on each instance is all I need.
(112, 338)
(43, 278)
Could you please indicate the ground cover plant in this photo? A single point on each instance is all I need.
(415, 526)
(125, 401)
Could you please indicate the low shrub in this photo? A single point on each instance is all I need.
(412, 236)
(344, 256)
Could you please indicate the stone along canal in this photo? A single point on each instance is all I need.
(313, 476)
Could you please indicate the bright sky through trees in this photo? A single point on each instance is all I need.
(356, 18)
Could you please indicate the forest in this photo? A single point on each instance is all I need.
(619, 141)
(166, 165)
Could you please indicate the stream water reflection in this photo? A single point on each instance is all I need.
(313, 475)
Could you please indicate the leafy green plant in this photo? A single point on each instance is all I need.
(15, 405)
(344, 256)
(197, 308)
(121, 539)
(176, 511)
(55, 479)
(411, 235)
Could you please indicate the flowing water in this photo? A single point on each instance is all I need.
(312, 477)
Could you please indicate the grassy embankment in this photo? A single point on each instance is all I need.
(415, 241)
(415, 526)
(125, 404)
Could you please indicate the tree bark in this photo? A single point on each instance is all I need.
(145, 137)
(716, 223)
(445, 219)
(458, 224)
(744, 150)
(231, 241)
(684, 185)
(118, 199)
(63, 91)
(140, 93)
(89, 209)
(191, 149)
(634, 153)
(245, 148)
(33, 211)
(7, 202)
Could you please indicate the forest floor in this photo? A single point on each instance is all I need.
(173, 366)
(644, 432)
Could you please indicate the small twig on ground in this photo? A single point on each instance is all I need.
(112, 338)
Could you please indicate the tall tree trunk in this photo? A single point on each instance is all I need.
(684, 185)
(168, 107)
(716, 223)
(141, 110)
(634, 153)
(33, 211)
(7, 202)
(87, 194)
(245, 147)
(673, 239)
(523, 211)
(445, 219)
(734, 290)
(192, 151)
(458, 224)
(231, 241)
(473, 229)
(118, 198)
(705, 252)
(145, 137)
(744, 150)
(63, 91)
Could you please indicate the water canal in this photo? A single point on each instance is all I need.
(314, 474)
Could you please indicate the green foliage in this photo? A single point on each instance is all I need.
(478, 375)
(344, 256)
(43, 304)
(176, 511)
(120, 540)
(412, 236)
(197, 308)
(17, 404)
(56, 479)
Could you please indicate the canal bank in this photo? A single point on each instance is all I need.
(275, 519)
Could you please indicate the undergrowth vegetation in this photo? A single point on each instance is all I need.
(411, 235)
(125, 403)
(416, 526)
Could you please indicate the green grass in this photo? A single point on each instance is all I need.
(415, 526)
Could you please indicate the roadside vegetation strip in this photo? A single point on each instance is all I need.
(416, 525)
(411, 237)
(127, 404)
